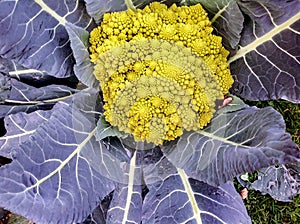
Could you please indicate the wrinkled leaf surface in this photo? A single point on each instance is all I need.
(31, 31)
(175, 198)
(267, 64)
(17, 96)
(19, 127)
(235, 142)
(49, 181)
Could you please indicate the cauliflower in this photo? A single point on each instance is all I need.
(160, 69)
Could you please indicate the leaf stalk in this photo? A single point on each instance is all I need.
(130, 5)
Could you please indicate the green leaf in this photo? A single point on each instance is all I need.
(104, 130)
(235, 105)
(83, 68)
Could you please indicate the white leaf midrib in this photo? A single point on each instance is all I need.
(130, 185)
(50, 11)
(65, 162)
(266, 37)
(190, 194)
(7, 137)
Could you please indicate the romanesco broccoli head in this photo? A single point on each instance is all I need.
(161, 70)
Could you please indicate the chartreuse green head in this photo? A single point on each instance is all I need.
(161, 70)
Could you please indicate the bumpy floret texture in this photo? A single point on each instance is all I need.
(161, 70)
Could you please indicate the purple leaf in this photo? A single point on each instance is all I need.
(49, 180)
(19, 128)
(35, 30)
(20, 97)
(175, 198)
(282, 182)
(235, 142)
(267, 64)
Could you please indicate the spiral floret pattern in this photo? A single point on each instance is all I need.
(161, 70)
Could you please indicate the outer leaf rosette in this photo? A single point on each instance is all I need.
(160, 69)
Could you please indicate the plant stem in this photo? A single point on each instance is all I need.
(130, 5)
(140, 146)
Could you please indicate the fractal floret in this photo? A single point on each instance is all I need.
(161, 70)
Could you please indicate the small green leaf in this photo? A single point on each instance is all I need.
(245, 177)
(104, 129)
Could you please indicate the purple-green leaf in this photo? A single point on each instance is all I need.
(33, 33)
(235, 142)
(174, 197)
(19, 128)
(84, 67)
(49, 180)
(267, 63)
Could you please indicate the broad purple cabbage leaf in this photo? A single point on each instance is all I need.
(33, 33)
(18, 96)
(49, 181)
(234, 142)
(267, 63)
(20, 127)
(174, 197)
